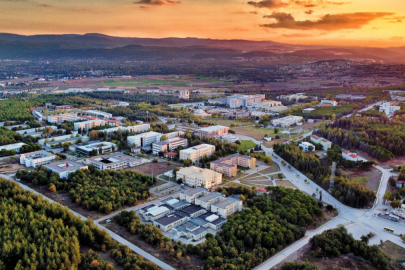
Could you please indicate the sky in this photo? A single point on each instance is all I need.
(375, 23)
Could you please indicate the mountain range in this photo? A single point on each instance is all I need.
(103, 47)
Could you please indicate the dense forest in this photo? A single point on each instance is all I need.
(380, 137)
(18, 110)
(248, 238)
(104, 191)
(348, 192)
(333, 243)
(37, 234)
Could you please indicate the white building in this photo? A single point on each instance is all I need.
(168, 145)
(388, 109)
(191, 194)
(152, 212)
(328, 103)
(295, 97)
(184, 94)
(31, 131)
(306, 145)
(208, 199)
(15, 146)
(86, 125)
(64, 168)
(227, 207)
(287, 121)
(350, 156)
(60, 118)
(213, 131)
(197, 177)
(100, 148)
(134, 129)
(144, 139)
(114, 162)
(35, 159)
(236, 101)
(98, 114)
(228, 137)
(195, 153)
(78, 90)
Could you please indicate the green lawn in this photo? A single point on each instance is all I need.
(258, 133)
(360, 179)
(246, 145)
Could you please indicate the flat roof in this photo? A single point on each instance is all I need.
(227, 202)
(37, 154)
(217, 221)
(191, 227)
(60, 166)
(210, 196)
(193, 191)
(192, 209)
(212, 128)
(197, 148)
(12, 146)
(169, 219)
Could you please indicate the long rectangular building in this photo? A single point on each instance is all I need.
(35, 159)
(229, 165)
(89, 124)
(144, 139)
(96, 148)
(197, 177)
(98, 114)
(133, 129)
(213, 131)
(60, 118)
(168, 145)
(195, 153)
(64, 168)
(114, 162)
(287, 121)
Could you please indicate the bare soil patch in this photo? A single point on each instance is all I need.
(155, 168)
(370, 179)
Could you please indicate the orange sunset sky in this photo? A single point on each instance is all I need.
(334, 22)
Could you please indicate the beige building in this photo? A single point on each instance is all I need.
(197, 177)
(229, 165)
(227, 207)
(197, 152)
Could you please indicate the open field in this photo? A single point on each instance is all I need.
(394, 252)
(369, 179)
(143, 83)
(273, 168)
(227, 122)
(257, 183)
(257, 133)
(246, 145)
(285, 183)
(155, 168)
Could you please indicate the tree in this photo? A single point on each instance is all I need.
(52, 188)
(163, 138)
(388, 195)
(403, 238)
(396, 204)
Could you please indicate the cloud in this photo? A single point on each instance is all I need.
(395, 19)
(328, 22)
(309, 12)
(269, 4)
(397, 38)
(146, 3)
(297, 35)
(27, 1)
(307, 3)
(337, 3)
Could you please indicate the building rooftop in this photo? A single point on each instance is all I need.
(169, 219)
(63, 166)
(37, 154)
(211, 218)
(211, 196)
(191, 227)
(198, 173)
(192, 209)
(212, 128)
(170, 154)
(197, 148)
(113, 158)
(11, 146)
(227, 202)
(222, 161)
(193, 191)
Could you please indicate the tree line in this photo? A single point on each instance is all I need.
(348, 192)
(103, 191)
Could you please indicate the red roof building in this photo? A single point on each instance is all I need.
(170, 154)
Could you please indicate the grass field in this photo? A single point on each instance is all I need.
(257, 133)
(246, 145)
(394, 252)
(285, 183)
(227, 122)
(273, 168)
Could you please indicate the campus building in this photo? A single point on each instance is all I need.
(64, 168)
(287, 121)
(37, 158)
(35, 131)
(168, 145)
(388, 109)
(324, 142)
(15, 146)
(86, 125)
(60, 118)
(144, 139)
(195, 153)
(349, 156)
(229, 165)
(238, 100)
(191, 194)
(306, 146)
(328, 103)
(210, 198)
(227, 207)
(96, 148)
(213, 131)
(99, 114)
(114, 162)
(197, 177)
(132, 129)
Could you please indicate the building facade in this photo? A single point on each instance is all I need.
(114, 162)
(236, 101)
(229, 165)
(64, 168)
(60, 118)
(227, 207)
(98, 114)
(324, 142)
(213, 131)
(86, 125)
(306, 147)
(168, 145)
(96, 148)
(35, 159)
(197, 177)
(287, 121)
(144, 139)
(195, 153)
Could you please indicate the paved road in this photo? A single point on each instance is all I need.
(357, 221)
(113, 235)
(368, 107)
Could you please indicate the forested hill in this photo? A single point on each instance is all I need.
(102, 47)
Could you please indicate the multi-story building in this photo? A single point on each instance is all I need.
(32, 131)
(197, 177)
(306, 146)
(295, 97)
(152, 212)
(350, 156)
(236, 101)
(64, 107)
(114, 123)
(98, 114)
(15, 146)
(86, 125)
(213, 131)
(229, 165)
(144, 139)
(132, 129)
(208, 199)
(191, 194)
(64, 168)
(114, 162)
(37, 158)
(184, 94)
(174, 134)
(324, 142)
(166, 223)
(265, 105)
(96, 148)
(60, 118)
(168, 145)
(227, 207)
(287, 121)
(388, 109)
(195, 153)
(227, 137)
(328, 103)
